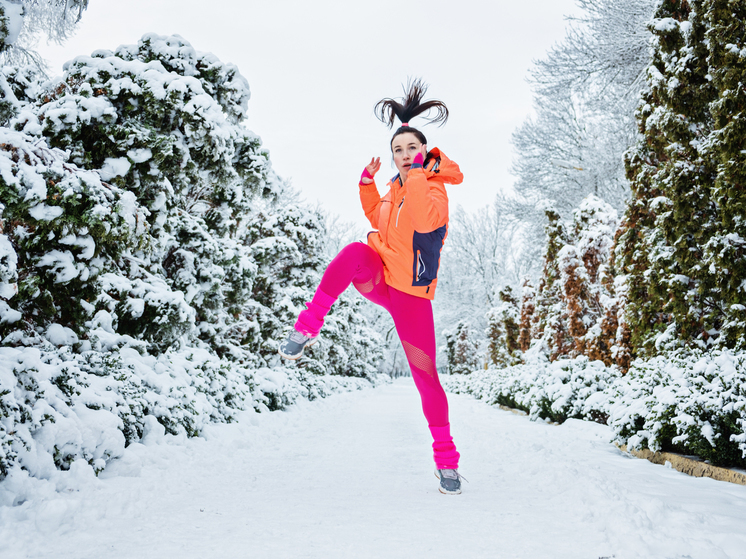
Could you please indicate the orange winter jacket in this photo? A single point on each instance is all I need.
(412, 224)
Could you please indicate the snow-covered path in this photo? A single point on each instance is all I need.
(351, 476)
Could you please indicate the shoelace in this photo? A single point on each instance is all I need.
(298, 338)
(452, 474)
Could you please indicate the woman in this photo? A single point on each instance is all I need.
(398, 267)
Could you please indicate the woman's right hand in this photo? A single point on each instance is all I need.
(370, 170)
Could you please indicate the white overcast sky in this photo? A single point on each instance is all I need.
(317, 68)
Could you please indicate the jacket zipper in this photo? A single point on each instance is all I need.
(397, 213)
(420, 265)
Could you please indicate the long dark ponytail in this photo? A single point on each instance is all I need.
(411, 105)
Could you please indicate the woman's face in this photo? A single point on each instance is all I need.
(405, 147)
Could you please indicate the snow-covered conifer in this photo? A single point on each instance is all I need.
(725, 251)
(587, 279)
(575, 309)
(287, 245)
(19, 86)
(11, 23)
(672, 294)
(528, 307)
(160, 120)
(503, 330)
(549, 329)
(462, 350)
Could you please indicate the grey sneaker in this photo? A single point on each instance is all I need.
(292, 347)
(450, 481)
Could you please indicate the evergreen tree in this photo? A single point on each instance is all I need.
(725, 250)
(503, 330)
(287, 245)
(575, 311)
(11, 21)
(528, 307)
(549, 321)
(19, 87)
(672, 293)
(588, 280)
(462, 351)
(161, 121)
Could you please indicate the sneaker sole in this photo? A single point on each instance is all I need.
(309, 344)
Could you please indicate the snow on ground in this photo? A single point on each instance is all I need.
(351, 476)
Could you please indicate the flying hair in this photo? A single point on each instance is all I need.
(411, 105)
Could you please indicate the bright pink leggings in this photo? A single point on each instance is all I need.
(360, 265)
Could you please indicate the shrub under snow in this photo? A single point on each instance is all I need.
(692, 402)
(688, 402)
(556, 391)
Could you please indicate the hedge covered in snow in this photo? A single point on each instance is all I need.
(150, 260)
(58, 406)
(690, 402)
(556, 391)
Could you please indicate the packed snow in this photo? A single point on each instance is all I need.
(351, 476)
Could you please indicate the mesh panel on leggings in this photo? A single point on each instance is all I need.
(366, 287)
(370, 285)
(419, 359)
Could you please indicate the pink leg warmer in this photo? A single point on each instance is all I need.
(311, 320)
(446, 455)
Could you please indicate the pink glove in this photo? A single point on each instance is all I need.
(417, 162)
(365, 175)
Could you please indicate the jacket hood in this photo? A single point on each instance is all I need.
(438, 164)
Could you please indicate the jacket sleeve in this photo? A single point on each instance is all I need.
(371, 201)
(427, 200)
